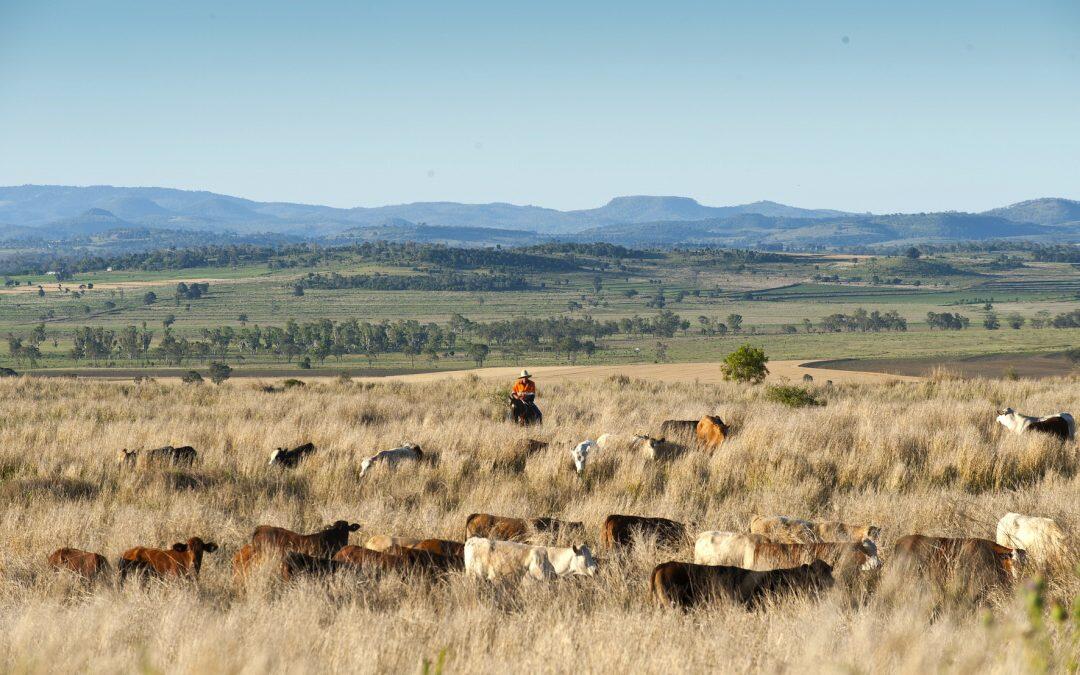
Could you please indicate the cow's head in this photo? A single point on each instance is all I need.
(125, 456)
(873, 532)
(868, 547)
(344, 526)
(583, 562)
(275, 454)
(580, 454)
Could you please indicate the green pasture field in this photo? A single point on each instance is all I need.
(769, 296)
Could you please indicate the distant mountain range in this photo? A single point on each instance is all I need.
(48, 213)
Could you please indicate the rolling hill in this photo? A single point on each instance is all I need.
(50, 213)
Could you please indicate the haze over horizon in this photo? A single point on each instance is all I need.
(840, 106)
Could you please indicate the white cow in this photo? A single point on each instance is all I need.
(580, 454)
(1061, 425)
(408, 451)
(496, 560)
(1042, 538)
(725, 548)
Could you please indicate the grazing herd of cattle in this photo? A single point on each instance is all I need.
(778, 554)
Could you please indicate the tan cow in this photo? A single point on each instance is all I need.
(711, 431)
(797, 531)
(510, 561)
(756, 552)
(725, 548)
(381, 542)
(1041, 538)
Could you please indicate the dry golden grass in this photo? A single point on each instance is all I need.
(911, 457)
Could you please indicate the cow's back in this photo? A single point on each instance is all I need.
(1042, 538)
(784, 529)
(84, 563)
(732, 549)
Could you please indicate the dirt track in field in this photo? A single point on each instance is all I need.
(704, 373)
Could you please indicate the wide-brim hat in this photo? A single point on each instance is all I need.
(524, 374)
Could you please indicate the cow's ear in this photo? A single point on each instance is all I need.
(179, 548)
(210, 547)
(577, 550)
(354, 527)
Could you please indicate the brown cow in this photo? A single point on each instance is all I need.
(515, 529)
(396, 559)
(443, 547)
(972, 564)
(84, 563)
(184, 455)
(514, 460)
(322, 544)
(181, 560)
(684, 585)
(711, 431)
(618, 530)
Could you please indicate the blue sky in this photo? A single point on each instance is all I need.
(911, 106)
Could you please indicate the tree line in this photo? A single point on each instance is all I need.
(414, 282)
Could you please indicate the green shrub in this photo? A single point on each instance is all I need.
(792, 395)
(745, 364)
(191, 377)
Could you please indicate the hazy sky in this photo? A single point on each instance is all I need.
(900, 106)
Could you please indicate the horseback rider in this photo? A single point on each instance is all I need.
(525, 391)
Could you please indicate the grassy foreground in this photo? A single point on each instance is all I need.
(911, 457)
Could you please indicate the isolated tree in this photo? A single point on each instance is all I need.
(1016, 321)
(298, 290)
(734, 322)
(597, 283)
(41, 292)
(150, 298)
(913, 253)
(1073, 355)
(192, 377)
(478, 352)
(661, 352)
(243, 318)
(219, 372)
(745, 364)
(990, 321)
(169, 320)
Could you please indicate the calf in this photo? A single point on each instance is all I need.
(83, 563)
(517, 457)
(507, 560)
(618, 530)
(972, 561)
(796, 531)
(1042, 538)
(685, 585)
(711, 431)
(181, 560)
(1060, 425)
(291, 458)
(407, 452)
(516, 529)
(322, 544)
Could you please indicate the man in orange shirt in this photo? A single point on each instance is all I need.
(525, 391)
